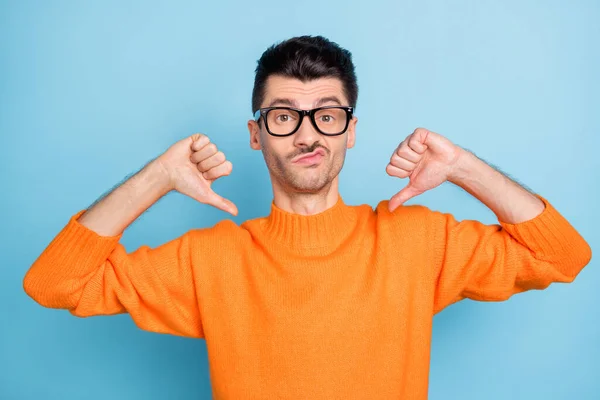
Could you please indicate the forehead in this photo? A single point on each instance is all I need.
(305, 94)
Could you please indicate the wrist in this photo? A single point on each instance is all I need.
(159, 176)
(463, 166)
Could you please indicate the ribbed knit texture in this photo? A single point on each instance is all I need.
(337, 305)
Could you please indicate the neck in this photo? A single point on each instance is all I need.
(316, 233)
(306, 203)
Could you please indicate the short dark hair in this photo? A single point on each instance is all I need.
(305, 58)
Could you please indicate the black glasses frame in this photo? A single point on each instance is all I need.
(262, 112)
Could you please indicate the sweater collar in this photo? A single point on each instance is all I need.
(325, 230)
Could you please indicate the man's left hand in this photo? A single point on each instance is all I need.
(427, 159)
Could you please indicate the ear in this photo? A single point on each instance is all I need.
(254, 130)
(352, 132)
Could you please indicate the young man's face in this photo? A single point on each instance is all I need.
(286, 156)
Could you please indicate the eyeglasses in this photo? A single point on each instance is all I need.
(285, 121)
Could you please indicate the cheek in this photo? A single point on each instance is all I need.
(279, 147)
(275, 151)
(339, 148)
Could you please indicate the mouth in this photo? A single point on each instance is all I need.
(310, 158)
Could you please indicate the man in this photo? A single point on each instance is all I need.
(318, 300)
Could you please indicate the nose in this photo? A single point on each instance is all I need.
(306, 134)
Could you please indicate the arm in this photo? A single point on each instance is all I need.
(87, 271)
(511, 202)
(532, 246)
(111, 215)
(493, 262)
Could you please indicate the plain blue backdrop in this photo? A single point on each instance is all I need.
(91, 91)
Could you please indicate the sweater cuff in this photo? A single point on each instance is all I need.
(548, 235)
(80, 247)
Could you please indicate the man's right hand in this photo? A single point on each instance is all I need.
(192, 165)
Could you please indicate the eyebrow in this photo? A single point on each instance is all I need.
(294, 103)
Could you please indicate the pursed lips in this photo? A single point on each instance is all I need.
(320, 152)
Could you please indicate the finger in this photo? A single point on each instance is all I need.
(395, 171)
(402, 196)
(218, 171)
(402, 163)
(216, 159)
(221, 203)
(199, 141)
(418, 139)
(406, 152)
(204, 153)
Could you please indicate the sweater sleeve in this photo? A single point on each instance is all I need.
(90, 275)
(493, 262)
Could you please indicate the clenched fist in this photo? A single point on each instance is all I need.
(427, 159)
(192, 165)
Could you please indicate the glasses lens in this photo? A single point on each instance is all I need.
(331, 120)
(282, 121)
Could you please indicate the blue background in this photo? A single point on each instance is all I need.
(91, 91)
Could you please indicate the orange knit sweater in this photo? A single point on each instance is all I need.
(337, 305)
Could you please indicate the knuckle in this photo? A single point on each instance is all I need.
(199, 140)
(402, 146)
(204, 164)
(211, 172)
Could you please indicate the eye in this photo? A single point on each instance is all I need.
(282, 116)
(326, 118)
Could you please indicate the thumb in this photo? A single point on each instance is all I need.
(221, 203)
(402, 196)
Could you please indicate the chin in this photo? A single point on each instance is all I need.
(312, 184)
